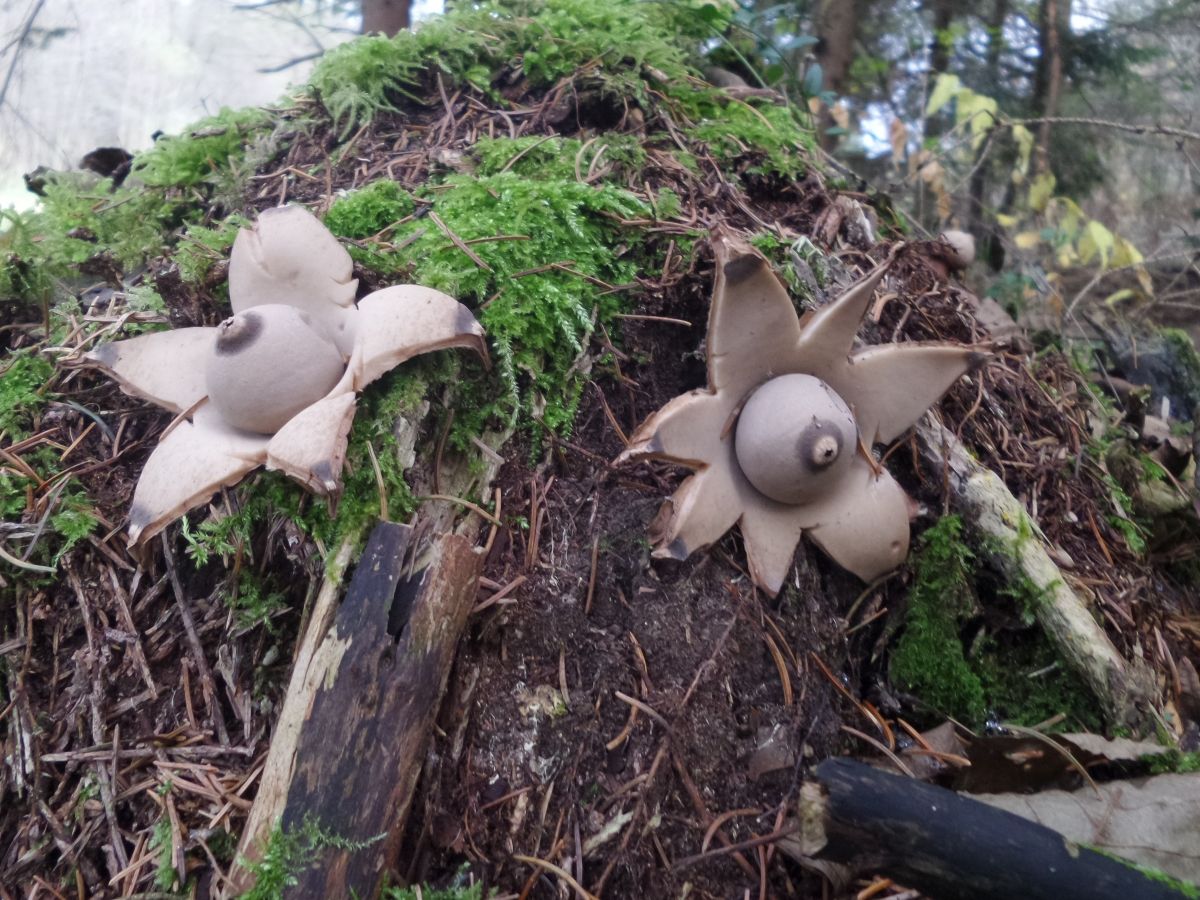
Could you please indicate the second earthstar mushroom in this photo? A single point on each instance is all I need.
(276, 383)
(780, 439)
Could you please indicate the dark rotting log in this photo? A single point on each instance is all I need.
(950, 846)
(367, 697)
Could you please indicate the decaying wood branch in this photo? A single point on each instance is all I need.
(364, 692)
(1016, 548)
(948, 845)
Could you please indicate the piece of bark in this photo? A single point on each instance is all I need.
(364, 693)
(1016, 548)
(950, 846)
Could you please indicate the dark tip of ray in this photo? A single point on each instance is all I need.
(742, 267)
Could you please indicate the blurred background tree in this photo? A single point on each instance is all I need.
(1027, 119)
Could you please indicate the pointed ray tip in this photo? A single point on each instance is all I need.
(676, 549)
(638, 448)
(104, 355)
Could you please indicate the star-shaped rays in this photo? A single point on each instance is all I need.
(823, 479)
(293, 298)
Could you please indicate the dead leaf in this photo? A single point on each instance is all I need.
(1151, 821)
(898, 135)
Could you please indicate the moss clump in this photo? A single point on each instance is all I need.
(1026, 683)
(454, 892)
(87, 224)
(929, 658)
(620, 45)
(69, 516)
(23, 384)
(1013, 673)
(198, 157)
(1173, 761)
(549, 264)
(289, 851)
(203, 246)
(559, 158)
(758, 139)
(369, 210)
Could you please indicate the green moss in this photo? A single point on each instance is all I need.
(553, 158)
(203, 246)
(253, 603)
(456, 891)
(23, 384)
(369, 210)
(1013, 674)
(1026, 683)
(1173, 761)
(763, 139)
(162, 849)
(73, 521)
(1184, 888)
(288, 851)
(557, 267)
(78, 221)
(210, 146)
(628, 47)
(929, 658)
(395, 396)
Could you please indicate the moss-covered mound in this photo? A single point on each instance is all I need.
(556, 166)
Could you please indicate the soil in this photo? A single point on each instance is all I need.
(608, 716)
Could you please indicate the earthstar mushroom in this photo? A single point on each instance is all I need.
(780, 439)
(275, 384)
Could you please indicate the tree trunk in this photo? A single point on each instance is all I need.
(837, 27)
(1054, 27)
(944, 13)
(386, 16)
(979, 176)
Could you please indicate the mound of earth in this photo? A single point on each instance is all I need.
(610, 715)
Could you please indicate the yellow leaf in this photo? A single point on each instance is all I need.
(1124, 253)
(944, 90)
(1024, 140)
(1040, 191)
(1096, 241)
(1144, 279)
(1071, 219)
(979, 112)
(1006, 221)
(1027, 240)
(1117, 296)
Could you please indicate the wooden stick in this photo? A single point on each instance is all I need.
(949, 845)
(1015, 546)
